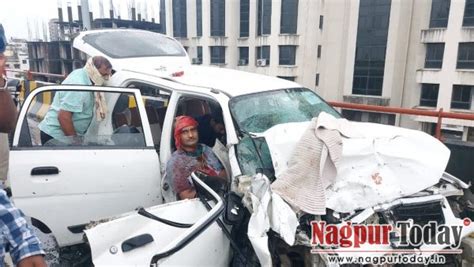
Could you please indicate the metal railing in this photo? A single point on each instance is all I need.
(30, 74)
(440, 114)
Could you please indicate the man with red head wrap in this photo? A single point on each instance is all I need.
(190, 156)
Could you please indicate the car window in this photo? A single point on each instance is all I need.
(208, 114)
(156, 101)
(98, 119)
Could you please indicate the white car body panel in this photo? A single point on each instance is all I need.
(104, 183)
(93, 182)
(209, 248)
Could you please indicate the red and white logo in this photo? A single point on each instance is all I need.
(405, 235)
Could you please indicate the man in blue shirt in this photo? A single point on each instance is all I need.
(71, 112)
(17, 237)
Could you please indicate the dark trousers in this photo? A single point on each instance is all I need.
(45, 137)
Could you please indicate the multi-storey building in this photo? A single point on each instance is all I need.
(17, 56)
(403, 53)
(54, 30)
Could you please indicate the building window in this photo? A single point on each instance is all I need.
(198, 18)
(287, 54)
(461, 97)
(243, 56)
(23, 61)
(449, 134)
(317, 80)
(263, 53)
(199, 55)
(264, 19)
(244, 18)
(468, 13)
(217, 17)
(288, 78)
(179, 19)
(217, 54)
(429, 94)
(321, 21)
(289, 16)
(371, 44)
(352, 115)
(465, 56)
(470, 134)
(434, 55)
(319, 51)
(439, 13)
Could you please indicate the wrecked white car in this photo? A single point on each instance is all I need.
(383, 175)
(114, 175)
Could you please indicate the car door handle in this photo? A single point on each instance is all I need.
(46, 170)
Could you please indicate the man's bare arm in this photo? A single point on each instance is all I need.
(7, 107)
(7, 112)
(65, 120)
(33, 261)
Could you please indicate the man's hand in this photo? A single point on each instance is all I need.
(33, 261)
(223, 174)
(187, 194)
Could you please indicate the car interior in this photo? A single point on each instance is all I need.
(196, 107)
(156, 104)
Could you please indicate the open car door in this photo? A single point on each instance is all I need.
(181, 233)
(65, 183)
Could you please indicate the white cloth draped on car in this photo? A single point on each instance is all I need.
(311, 169)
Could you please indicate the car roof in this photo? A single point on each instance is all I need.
(229, 81)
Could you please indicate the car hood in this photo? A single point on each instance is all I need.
(407, 161)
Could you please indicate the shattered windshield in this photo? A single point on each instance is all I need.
(259, 112)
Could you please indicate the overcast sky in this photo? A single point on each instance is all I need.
(15, 15)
